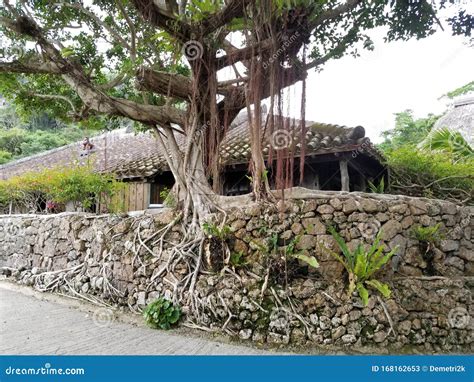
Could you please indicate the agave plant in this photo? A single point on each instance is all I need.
(361, 264)
(377, 189)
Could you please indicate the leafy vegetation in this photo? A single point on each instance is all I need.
(216, 231)
(448, 142)
(34, 134)
(430, 235)
(77, 184)
(408, 131)
(161, 314)
(440, 166)
(469, 87)
(361, 264)
(431, 174)
(168, 198)
(292, 252)
(237, 259)
(377, 189)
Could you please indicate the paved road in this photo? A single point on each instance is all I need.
(31, 323)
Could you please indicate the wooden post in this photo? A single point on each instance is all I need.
(344, 175)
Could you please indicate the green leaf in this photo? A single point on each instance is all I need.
(66, 52)
(174, 316)
(342, 244)
(380, 286)
(310, 260)
(363, 293)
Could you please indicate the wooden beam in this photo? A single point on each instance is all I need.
(344, 175)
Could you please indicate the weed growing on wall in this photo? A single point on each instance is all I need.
(161, 314)
(361, 264)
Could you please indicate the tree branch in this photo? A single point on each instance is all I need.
(233, 9)
(95, 99)
(56, 96)
(335, 12)
(168, 84)
(236, 55)
(115, 34)
(163, 19)
(30, 67)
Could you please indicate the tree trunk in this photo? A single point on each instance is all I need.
(195, 197)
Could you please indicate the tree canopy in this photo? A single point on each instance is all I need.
(189, 67)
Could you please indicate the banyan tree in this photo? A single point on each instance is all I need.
(185, 68)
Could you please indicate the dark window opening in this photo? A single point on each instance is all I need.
(236, 183)
(160, 186)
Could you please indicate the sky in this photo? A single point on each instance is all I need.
(396, 76)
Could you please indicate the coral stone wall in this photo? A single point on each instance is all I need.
(118, 259)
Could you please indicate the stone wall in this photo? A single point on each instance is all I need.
(262, 297)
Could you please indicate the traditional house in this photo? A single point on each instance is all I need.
(336, 158)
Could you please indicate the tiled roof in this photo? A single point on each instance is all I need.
(131, 155)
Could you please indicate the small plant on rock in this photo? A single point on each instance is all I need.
(429, 235)
(161, 314)
(361, 264)
(216, 249)
(237, 259)
(213, 230)
(290, 251)
(429, 238)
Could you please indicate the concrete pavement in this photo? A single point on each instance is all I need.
(35, 323)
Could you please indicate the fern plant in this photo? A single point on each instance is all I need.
(290, 251)
(361, 264)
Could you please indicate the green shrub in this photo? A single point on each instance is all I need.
(161, 314)
(78, 184)
(361, 264)
(431, 174)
